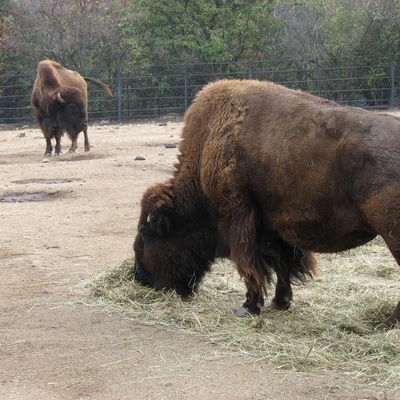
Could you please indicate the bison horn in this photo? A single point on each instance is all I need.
(149, 218)
(59, 98)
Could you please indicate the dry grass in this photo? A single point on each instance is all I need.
(330, 326)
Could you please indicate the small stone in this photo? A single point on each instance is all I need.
(170, 146)
(45, 160)
(139, 158)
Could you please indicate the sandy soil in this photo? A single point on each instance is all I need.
(55, 341)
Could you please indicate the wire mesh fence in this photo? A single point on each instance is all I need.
(164, 90)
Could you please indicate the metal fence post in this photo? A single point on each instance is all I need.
(186, 86)
(392, 86)
(250, 69)
(318, 77)
(119, 95)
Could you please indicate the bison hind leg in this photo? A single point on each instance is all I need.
(86, 142)
(74, 144)
(394, 318)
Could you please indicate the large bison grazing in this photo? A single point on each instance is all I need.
(60, 99)
(266, 176)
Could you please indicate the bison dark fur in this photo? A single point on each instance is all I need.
(59, 97)
(267, 176)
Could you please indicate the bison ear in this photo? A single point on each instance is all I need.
(158, 200)
(161, 224)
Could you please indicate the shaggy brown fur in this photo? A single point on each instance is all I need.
(59, 97)
(266, 176)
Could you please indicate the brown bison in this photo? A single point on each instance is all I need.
(60, 99)
(266, 176)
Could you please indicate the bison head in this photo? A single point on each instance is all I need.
(173, 250)
(71, 110)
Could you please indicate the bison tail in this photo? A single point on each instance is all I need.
(100, 84)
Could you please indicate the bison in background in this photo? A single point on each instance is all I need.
(60, 99)
(267, 176)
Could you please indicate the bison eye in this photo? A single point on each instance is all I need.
(144, 232)
(161, 225)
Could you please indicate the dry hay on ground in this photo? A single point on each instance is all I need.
(331, 325)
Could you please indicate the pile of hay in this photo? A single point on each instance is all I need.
(330, 326)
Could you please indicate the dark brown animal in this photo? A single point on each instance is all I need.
(266, 176)
(60, 99)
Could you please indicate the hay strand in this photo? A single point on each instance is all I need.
(331, 325)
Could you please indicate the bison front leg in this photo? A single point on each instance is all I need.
(289, 264)
(281, 301)
(240, 235)
(74, 144)
(283, 293)
(254, 297)
(57, 133)
(255, 284)
(57, 150)
(49, 148)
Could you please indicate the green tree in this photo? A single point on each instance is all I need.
(6, 23)
(339, 28)
(201, 31)
(381, 34)
(81, 34)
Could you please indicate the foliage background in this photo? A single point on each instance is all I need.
(98, 34)
(151, 41)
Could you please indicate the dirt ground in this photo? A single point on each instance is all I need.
(58, 343)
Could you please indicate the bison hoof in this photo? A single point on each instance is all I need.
(281, 305)
(242, 312)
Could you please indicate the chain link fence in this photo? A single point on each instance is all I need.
(167, 90)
